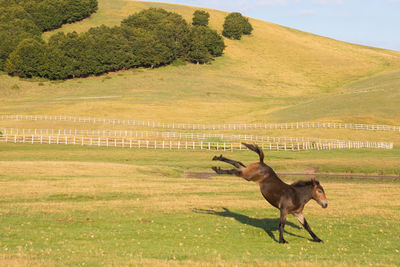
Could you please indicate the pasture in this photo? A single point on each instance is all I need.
(73, 205)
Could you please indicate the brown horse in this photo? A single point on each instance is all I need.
(289, 199)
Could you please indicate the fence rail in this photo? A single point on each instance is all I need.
(193, 136)
(177, 144)
(255, 126)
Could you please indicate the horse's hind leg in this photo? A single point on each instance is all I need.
(221, 171)
(304, 222)
(235, 163)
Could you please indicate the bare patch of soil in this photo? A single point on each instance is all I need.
(197, 175)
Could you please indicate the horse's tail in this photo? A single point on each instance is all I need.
(256, 149)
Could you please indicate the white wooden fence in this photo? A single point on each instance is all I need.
(255, 126)
(146, 135)
(176, 144)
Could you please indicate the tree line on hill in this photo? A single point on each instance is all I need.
(149, 38)
(22, 19)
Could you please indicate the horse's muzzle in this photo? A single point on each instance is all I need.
(324, 204)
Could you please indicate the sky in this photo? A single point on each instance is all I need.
(367, 22)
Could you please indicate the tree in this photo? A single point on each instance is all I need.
(200, 18)
(214, 42)
(57, 66)
(204, 43)
(235, 26)
(170, 28)
(247, 28)
(150, 51)
(28, 59)
(15, 25)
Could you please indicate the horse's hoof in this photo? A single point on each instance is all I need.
(318, 240)
(215, 169)
(217, 158)
(283, 241)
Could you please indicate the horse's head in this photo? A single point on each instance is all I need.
(318, 194)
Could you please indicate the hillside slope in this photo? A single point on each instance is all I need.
(264, 77)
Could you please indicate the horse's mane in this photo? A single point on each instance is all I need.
(304, 183)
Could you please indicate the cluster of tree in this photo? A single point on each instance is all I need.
(235, 26)
(51, 14)
(150, 38)
(24, 19)
(200, 18)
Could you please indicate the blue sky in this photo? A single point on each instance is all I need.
(368, 22)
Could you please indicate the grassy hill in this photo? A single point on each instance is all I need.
(268, 76)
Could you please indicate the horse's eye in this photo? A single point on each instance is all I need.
(319, 191)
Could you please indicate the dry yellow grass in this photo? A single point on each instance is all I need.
(274, 68)
(38, 182)
(24, 260)
(69, 206)
(216, 262)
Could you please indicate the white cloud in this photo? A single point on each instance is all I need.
(271, 3)
(306, 12)
(328, 2)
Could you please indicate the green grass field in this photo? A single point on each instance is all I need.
(75, 205)
(63, 205)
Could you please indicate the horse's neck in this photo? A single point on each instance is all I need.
(304, 193)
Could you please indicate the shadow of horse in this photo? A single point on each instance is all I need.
(267, 224)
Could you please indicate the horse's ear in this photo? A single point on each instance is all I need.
(314, 181)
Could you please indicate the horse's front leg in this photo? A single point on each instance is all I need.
(282, 223)
(304, 222)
